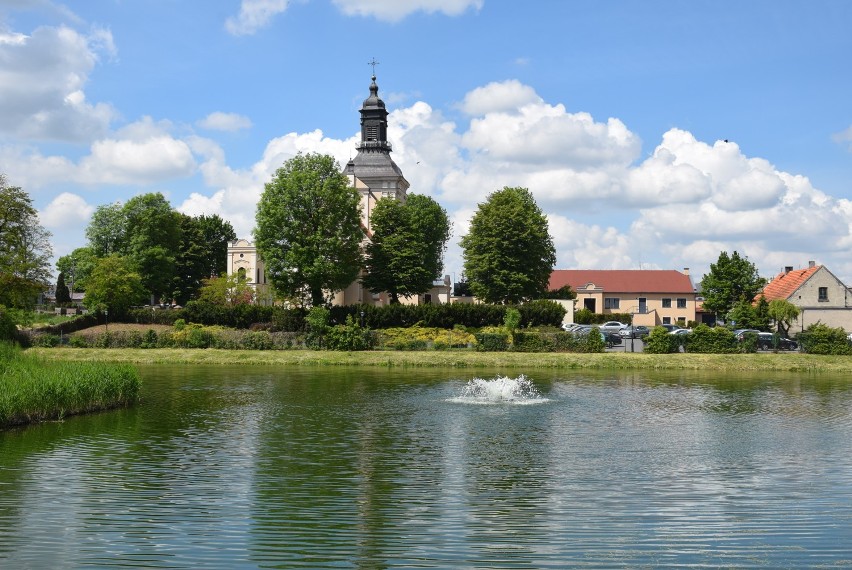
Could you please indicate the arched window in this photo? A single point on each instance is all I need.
(241, 274)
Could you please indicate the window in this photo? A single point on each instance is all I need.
(611, 302)
(823, 293)
(667, 303)
(681, 303)
(372, 133)
(427, 299)
(681, 320)
(667, 320)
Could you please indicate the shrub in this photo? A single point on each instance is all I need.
(716, 340)
(257, 340)
(317, 324)
(349, 336)
(45, 340)
(78, 341)
(8, 330)
(492, 341)
(532, 342)
(594, 341)
(661, 342)
(748, 342)
(149, 340)
(822, 339)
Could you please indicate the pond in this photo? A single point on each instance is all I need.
(264, 467)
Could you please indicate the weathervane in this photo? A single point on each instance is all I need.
(374, 63)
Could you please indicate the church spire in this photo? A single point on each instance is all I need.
(374, 120)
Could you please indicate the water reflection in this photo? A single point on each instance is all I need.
(316, 468)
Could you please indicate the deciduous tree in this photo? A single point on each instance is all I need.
(25, 249)
(783, 312)
(508, 252)
(309, 229)
(731, 279)
(405, 253)
(115, 285)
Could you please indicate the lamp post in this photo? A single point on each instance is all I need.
(362, 319)
(106, 319)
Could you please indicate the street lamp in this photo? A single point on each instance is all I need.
(106, 319)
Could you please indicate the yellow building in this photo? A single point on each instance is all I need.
(652, 297)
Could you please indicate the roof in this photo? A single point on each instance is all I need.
(786, 283)
(624, 280)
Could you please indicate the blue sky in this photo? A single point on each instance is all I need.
(614, 114)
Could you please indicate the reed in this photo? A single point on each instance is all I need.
(33, 389)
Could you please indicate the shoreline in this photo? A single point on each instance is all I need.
(781, 362)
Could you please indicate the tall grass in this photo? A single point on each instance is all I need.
(33, 390)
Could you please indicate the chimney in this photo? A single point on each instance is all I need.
(811, 264)
(686, 270)
(788, 269)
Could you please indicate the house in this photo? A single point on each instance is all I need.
(820, 296)
(653, 297)
(376, 176)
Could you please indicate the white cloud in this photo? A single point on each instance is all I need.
(42, 78)
(844, 137)
(506, 96)
(229, 122)
(66, 210)
(254, 15)
(125, 161)
(396, 10)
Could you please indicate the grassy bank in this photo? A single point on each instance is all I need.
(788, 362)
(34, 389)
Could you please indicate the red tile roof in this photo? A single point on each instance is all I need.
(624, 280)
(785, 284)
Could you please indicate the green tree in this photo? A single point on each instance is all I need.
(783, 312)
(107, 230)
(25, 249)
(226, 290)
(77, 266)
(406, 251)
(309, 229)
(153, 237)
(189, 261)
(731, 279)
(216, 234)
(63, 296)
(433, 227)
(508, 252)
(115, 285)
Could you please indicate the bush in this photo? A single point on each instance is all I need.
(422, 338)
(661, 342)
(822, 339)
(349, 336)
(78, 341)
(8, 330)
(593, 341)
(492, 342)
(748, 342)
(532, 342)
(149, 340)
(716, 340)
(45, 340)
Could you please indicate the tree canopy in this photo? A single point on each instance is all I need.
(309, 229)
(406, 251)
(508, 252)
(25, 249)
(171, 252)
(731, 279)
(77, 266)
(113, 285)
(783, 312)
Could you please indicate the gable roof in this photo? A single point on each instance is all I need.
(624, 280)
(786, 283)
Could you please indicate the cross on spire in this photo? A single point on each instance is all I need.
(374, 63)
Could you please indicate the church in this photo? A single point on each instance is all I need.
(376, 176)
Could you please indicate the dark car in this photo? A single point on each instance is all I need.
(669, 327)
(766, 341)
(638, 331)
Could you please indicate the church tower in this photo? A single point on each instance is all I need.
(373, 172)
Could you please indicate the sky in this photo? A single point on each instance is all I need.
(653, 134)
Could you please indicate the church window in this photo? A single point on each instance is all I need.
(372, 133)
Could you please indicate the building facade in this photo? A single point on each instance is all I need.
(820, 296)
(652, 297)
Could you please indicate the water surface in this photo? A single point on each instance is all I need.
(245, 467)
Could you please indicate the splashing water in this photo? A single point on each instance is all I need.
(500, 390)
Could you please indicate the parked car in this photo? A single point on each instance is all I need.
(670, 327)
(680, 332)
(765, 341)
(611, 338)
(738, 333)
(638, 331)
(612, 326)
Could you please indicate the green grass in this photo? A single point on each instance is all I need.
(33, 389)
(789, 362)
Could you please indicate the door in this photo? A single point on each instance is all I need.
(643, 305)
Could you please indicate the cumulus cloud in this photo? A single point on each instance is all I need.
(254, 15)
(66, 210)
(42, 80)
(395, 10)
(228, 122)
